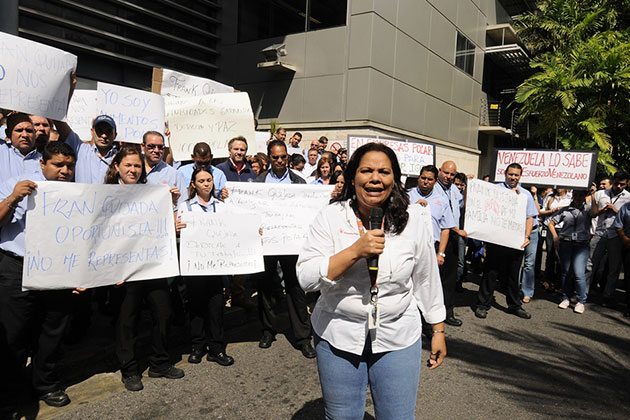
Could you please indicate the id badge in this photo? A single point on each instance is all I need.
(543, 233)
(574, 236)
(373, 318)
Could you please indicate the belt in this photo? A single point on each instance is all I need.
(11, 255)
(565, 239)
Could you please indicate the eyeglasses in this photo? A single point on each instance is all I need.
(155, 146)
(276, 157)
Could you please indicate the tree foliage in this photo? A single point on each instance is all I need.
(581, 90)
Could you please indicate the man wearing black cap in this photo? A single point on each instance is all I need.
(92, 160)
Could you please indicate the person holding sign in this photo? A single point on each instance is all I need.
(298, 316)
(159, 172)
(127, 167)
(367, 326)
(205, 293)
(507, 261)
(19, 156)
(46, 310)
(202, 156)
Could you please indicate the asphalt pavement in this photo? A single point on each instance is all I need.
(558, 365)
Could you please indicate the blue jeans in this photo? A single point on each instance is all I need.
(393, 377)
(528, 272)
(574, 255)
(461, 259)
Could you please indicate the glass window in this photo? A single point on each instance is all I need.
(326, 14)
(465, 54)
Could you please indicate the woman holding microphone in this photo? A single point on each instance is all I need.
(367, 322)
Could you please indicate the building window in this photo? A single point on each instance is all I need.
(465, 54)
(262, 19)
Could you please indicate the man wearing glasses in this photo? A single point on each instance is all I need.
(158, 171)
(298, 316)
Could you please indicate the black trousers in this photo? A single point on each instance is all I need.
(296, 298)
(157, 295)
(32, 324)
(506, 264)
(205, 305)
(448, 272)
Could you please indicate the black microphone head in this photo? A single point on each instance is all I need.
(376, 218)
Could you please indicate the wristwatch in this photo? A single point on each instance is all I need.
(441, 254)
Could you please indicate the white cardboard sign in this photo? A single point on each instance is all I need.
(495, 214)
(81, 111)
(135, 111)
(412, 155)
(84, 235)
(287, 210)
(34, 78)
(220, 244)
(181, 85)
(213, 119)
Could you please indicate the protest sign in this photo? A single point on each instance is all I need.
(173, 83)
(81, 111)
(287, 211)
(495, 214)
(214, 119)
(84, 235)
(262, 137)
(135, 111)
(220, 244)
(34, 78)
(412, 155)
(556, 168)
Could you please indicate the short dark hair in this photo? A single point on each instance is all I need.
(297, 133)
(461, 177)
(202, 148)
(237, 138)
(57, 148)
(151, 133)
(191, 189)
(323, 139)
(273, 143)
(279, 129)
(618, 176)
(395, 209)
(297, 158)
(515, 166)
(430, 168)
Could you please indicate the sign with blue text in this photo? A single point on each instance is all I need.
(84, 235)
(81, 112)
(135, 111)
(34, 78)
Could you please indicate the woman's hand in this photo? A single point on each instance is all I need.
(422, 202)
(372, 243)
(179, 225)
(438, 347)
(175, 194)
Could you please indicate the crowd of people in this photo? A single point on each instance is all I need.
(586, 236)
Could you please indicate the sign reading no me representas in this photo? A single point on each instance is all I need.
(83, 235)
(223, 243)
(34, 78)
(556, 168)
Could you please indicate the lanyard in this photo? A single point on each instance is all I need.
(373, 282)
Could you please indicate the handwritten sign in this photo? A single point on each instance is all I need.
(34, 78)
(495, 214)
(84, 235)
(412, 155)
(560, 168)
(287, 211)
(262, 137)
(81, 112)
(214, 119)
(220, 244)
(135, 111)
(174, 83)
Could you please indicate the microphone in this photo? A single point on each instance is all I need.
(376, 221)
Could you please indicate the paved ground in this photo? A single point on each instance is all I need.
(557, 365)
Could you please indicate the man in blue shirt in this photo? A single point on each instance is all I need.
(19, 156)
(19, 310)
(236, 167)
(618, 254)
(202, 156)
(158, 171)
(504, 261)
(298, 316)
(443, 222)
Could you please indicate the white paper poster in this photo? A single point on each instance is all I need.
(84, 235)
(214, 119)
(135, 111)
(412, 155)
(34, 78)
(81, 111)
(262, 137)
(495, 214)
(181, 85)
(215, 244)
(287, 211)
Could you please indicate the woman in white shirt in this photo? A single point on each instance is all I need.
(205, 293)
(368, 328)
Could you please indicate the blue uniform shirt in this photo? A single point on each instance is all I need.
(13, 164)
(163, 173)
(441, 214)
(91, 166)
(454, 196)
(217, 175)
(272, 178)
(12, 234)
(622, 220)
